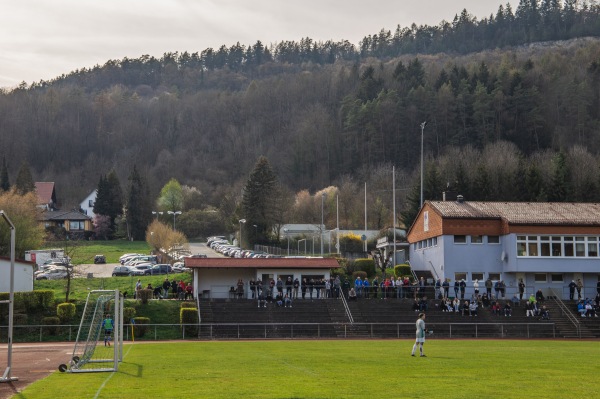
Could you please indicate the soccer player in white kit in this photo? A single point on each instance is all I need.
(420, 334)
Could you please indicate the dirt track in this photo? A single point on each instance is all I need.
(32, 362)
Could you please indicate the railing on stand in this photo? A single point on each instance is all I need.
(565, 310)
(348, 313)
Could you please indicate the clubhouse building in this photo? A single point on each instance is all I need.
(214, 277)
(547, 245)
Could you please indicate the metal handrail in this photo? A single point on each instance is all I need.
(567, 312)
(348, 313)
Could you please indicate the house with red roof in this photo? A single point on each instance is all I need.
(546, 245)
(214, 277)
(46, 195)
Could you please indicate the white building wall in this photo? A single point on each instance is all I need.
(448, 258)
(85, 204)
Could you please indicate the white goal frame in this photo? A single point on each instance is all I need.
(90, 332)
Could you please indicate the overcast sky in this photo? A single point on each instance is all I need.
(42, 39)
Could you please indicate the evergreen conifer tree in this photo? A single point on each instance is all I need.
(138, 206)
(4, 182)
(258, 202)
(24, 182)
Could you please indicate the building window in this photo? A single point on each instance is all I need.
(539, 277)
(76, 225)
(476, 239)
(460, 239)
(477, 276)
(493, 239)
(494, 276)
(556, 278)
(91, 203)
(434, 239)
(460, 276)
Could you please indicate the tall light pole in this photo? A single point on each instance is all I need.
(157, 213)
(337, 217)
(174, 214)
(422, 129)
(322, 218)
(242, 221)
(11, 300)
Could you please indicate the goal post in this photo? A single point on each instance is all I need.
(98, 348)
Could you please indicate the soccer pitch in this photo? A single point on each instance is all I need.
(338, 369)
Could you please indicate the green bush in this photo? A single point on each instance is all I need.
(128, 314)
(140, 326)
(65, 311)
(44, 299)
(145, 295)
(402, 270)
(365, 265)
(189, 316)
(340, 271)
(19, 319)
(52, 323)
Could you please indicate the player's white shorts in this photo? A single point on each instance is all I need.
(421, 339)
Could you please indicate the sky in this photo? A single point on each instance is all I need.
(41, 39)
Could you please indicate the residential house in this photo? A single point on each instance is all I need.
(46, 195)
(87, 205)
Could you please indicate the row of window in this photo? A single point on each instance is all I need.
(458, 239)
(558, 246)
(476, 239)
(538, 277)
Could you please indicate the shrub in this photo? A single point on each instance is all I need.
(340, 271)
(140, 326)
(365, 265)
(128, 314)
(44, 299)
(52, 323)
(402, 270)
(145, 295)
(351, 243)
(19, 319)
(189, 316)
(65, 311)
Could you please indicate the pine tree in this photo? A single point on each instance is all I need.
(138, 206)
(4, 182)
(115, 199)
(101, 203)
(24, 182)
(559, 191)
(258, 202)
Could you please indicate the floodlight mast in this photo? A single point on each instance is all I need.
(6, 377)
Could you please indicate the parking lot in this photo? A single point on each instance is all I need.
(105, 270)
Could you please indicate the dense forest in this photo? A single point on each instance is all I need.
(512, 104)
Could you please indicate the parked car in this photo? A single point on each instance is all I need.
(53, 273)
(159, 269)
(139, 270)
(125, 257)
(122, 271)
(99, 259)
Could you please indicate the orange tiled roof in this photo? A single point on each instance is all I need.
(546, 213)
(265, 263)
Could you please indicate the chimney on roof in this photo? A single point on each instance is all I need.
(449, 195)
(460, 199)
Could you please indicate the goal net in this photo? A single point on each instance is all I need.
(99, 343)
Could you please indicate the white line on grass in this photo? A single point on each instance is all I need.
(110, 376)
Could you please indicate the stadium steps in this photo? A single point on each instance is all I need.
(565, 327)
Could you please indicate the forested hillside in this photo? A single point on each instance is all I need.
(509, 117)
